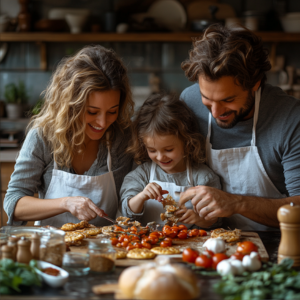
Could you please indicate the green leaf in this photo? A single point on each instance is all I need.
(287, 263)
(5, 290)
(7, 264)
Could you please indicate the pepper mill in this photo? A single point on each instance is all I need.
(2, 243)
(24, 255)
(7, 252)
(289, 218)
(12, 242)
(35, 246)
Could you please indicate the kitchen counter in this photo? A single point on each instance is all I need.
(81, 287)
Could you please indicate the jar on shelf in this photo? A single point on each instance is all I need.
(53, 247)
(102, 256)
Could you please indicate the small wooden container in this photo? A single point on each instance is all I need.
(24, 255)
(35, 246)
(7, 252)
(289, 247)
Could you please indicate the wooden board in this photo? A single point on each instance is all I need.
(196, 243)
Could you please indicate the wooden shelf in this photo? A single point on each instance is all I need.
(129, 37)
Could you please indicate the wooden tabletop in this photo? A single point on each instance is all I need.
(81, 287)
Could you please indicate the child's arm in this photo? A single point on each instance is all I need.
(151, 191)
(191, 217)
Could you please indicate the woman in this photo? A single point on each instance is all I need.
(74, 154)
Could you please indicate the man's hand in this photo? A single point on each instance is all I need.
(82, 208)
(210, 202)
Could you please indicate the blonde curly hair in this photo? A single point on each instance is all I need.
(61, 119)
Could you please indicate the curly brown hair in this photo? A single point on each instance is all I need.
(222, 51)
(61, 122)
(164, 114)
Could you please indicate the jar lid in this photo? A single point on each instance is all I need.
(100, 243)
(289, 213)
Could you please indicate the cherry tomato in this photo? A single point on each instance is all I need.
(119, 245)
(175, 228)
(182, 234)
(193, 232)
(146, 245)
(168, 240)
(130, 247)
(208, 253)
(166, 227)
(170, 233)
(238, 255)
(246, 247)
(127, 239)
(165, 244)
(121, 238)
(135, 238)
(182, 227)
(114, 241)
(153, 240)
(202, 232)
(155, 233)
(217, 258)
(189, 255)
(137, 245)
(124, 244)
(204, 261)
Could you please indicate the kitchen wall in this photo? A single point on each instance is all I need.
(142, 59)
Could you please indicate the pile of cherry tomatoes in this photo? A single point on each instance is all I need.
(133, 238)
(209, 259)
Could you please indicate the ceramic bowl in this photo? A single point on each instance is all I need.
(53, 281)
(291, 22)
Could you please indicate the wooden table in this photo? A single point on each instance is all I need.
(81, 287)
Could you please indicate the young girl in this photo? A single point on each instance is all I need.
(166, 143)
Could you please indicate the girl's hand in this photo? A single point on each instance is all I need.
(82, 208)
(153, 191)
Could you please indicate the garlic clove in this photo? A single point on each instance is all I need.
(225, 268)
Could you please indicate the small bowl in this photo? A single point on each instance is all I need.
(53, 281)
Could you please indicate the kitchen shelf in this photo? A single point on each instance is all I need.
(130, 37)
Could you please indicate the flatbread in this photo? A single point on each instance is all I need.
(165, 250)
(227, 235)
(121, 254)
(73, 237)
(140, 253)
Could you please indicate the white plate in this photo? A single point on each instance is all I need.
(168, 13)
(53, 281)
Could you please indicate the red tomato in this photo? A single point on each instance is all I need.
(165, 244)
(119, 245)
(124, 244)
(155, 233)
(170, 233)
(121, 238)
(166, 227)
(193, 232)
(135, 238)
(189, 255)
(246, 247)
(202, 232)
(130, 247)
(114, 241)
(175, 228)
(146, 245)
(217, 258)
(238, 255)
(182, 234)
(118, 228)
(182, 227)
(168, 240)
(133, 228)
(137, 245)
(208, 253)
(127, 239)
(204, 261)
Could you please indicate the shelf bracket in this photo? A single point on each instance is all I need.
(43, 55)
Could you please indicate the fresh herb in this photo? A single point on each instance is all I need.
(37, 108)
(14, 274)
(16, 93)
(274, 281)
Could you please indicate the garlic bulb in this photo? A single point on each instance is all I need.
(251, 262)
(230, 266)
(216, 245)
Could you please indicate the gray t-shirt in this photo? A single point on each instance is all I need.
(136, 181)
(34, 166)
(277, 132)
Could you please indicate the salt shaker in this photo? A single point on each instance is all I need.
(289, 218)
(24, 255)
(35, 246)
(7, 252)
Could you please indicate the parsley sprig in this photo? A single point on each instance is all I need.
(273, 281)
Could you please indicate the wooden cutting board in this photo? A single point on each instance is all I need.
(196, 243)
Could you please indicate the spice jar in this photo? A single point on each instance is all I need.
(35, 246)
(7, 252)
(12, 242)
(52, 247)
(102, 256)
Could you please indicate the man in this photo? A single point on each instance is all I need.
(252, 131)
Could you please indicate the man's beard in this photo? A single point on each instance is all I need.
(244, 112)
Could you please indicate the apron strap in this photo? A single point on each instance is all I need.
(152, 172)
(189, 174)
(255, 117)
(55, 165)
(209, 129)
(108, 152)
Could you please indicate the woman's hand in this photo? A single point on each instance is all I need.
(153, 191)
(82, 208)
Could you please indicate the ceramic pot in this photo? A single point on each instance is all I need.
(14, 111)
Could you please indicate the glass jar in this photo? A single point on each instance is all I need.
(77, 264)
(102, 256)
(53, 247)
